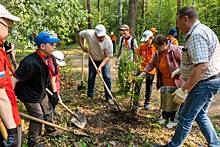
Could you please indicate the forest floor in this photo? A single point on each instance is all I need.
(107, 127)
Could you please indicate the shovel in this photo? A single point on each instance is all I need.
(81, 87)
(78, 118)
(77, 132)
(104, 83)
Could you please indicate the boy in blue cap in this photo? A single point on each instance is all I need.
(32, 78)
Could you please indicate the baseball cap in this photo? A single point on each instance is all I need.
(153, 30)
(146, 35)
(100, 30)
(124, 27)
(59, 58)
(173, 32)
(4, 13)
(44, 37)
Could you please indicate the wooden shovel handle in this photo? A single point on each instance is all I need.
(3, 130)
(109, 92)
(44, 122)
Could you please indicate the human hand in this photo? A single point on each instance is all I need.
(141, 76)
(99, 70)
(54, 100)
(12, 138)
(175, 73)
(85, 49)
(180, 96)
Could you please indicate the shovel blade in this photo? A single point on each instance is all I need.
(79, 120)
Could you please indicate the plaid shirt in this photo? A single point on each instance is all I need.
(202, 46)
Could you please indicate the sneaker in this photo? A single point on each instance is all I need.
(171, 124)
(162, 121)
(146, 106)
(111, 102)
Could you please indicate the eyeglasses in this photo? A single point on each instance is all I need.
(9, 29)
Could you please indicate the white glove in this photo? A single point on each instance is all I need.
(179, 96)
(175, 73)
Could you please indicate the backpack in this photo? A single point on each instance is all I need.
(132, 43)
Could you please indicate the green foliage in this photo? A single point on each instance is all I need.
(63, 17)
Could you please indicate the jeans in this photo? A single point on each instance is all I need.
(196, 108)
(149, 85)
(42, 110)
(92, 75)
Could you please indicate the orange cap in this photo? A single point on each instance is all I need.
(153, 30)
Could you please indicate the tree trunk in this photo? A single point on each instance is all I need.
(119, 13)
(132, 15)
(88, 6)
(143, 13)
(177, 11)
(99, 13)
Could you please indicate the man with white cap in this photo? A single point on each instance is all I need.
(8, 105)
(100, 49)
(145, 51)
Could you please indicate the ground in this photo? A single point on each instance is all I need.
(107, 127)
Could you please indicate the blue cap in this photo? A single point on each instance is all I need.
(44, 37)
(173, 32)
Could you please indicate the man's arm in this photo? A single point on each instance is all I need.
(197, 73)
(6, 110)
(82, 43)
(103, 63)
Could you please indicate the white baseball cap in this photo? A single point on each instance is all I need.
(146, 35)
(59, 58)
(6, 14)
(100, 30)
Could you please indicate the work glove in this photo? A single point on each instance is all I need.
(12, 138)
(85, 49)
(54, 100)
(179, 96)
(175, 73)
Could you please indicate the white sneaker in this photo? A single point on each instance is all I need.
(162, 121)
(171, 124)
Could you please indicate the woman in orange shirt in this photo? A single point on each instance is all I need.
(166, 60)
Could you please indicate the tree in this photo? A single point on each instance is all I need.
(120, 6)
(132, 15)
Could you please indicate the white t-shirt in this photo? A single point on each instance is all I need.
(98, 50)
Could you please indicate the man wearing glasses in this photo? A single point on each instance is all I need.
(8, 105)
(101, 50)
(32, 78)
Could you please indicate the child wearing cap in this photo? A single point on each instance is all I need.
(171, 36)
(145, 51)
(32, 78)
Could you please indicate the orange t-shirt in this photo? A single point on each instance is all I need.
(164, 69)
(113, 37)
(146, 52)
(172, 40)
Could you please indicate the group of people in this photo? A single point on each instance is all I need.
(191, 74)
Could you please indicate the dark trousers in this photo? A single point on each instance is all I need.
(169, 115)
(92, 75)
(41, 110)
(149, 85)
(19, 138)
(114, 49)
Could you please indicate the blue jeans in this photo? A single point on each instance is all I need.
(196, 108)
(92, 75)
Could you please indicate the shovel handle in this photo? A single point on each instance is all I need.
(65, 106)
(44, 122)
(3, 130)
(109, 92)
